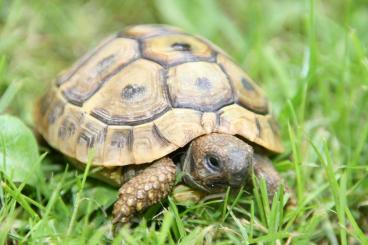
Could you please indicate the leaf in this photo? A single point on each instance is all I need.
(19, 158)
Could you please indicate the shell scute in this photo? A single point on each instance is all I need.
(118, 145)
(89, 77)
(91, 140)
(176, 48)
(149, 143)
(180, 126)
(199, 85)
(247, 92)
(132, 96)
(50, 109)
(67, 130)
(256, 128)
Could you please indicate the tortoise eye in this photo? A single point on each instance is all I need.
(181, 47)
(212, 162)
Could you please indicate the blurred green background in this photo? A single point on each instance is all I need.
(309, 56)
(40, 38)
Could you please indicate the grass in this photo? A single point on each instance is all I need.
(310, 57)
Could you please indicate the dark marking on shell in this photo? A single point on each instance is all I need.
(104, 116)
(180, 62)
(203, 83)
(104, 64)
(273, 125)
(156, 132)
(63, 79)
(57, 110)
(86, 138)
(228, 79)
(69, 125)
(140, 47)
(67, 129)
(258, 110)
(184, 47)
(259, 129)
(92, 135)
(261, 110)
(45, 103)
(164, 65)
(189, 57)
(77, 98)
(218, 118)
(192, 58)
(220, 113)
(132, 91)
(247, 85)
(121, 34)
(130, 140)
(164, 76)
(118, 140)
(204, 108)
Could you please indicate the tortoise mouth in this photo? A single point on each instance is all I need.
(188, 179)
(217, 184)
(213, 186)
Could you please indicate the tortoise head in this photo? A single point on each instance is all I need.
(215, 161)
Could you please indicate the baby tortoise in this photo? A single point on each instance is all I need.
(148, 92)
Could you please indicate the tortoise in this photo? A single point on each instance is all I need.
(149, 93)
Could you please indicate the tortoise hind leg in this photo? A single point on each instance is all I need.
(147, 188)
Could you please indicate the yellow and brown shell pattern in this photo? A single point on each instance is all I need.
(147, 91)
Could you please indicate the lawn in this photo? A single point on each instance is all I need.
(309, 56)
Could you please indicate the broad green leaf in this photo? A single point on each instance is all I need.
(19, 157)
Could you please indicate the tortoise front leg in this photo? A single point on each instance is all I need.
(263, 169)
(147, 188)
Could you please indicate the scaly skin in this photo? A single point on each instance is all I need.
(147, 188)
(263, 169)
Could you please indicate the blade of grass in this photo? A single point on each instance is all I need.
(55, 194)
(297, 164)
(339, 193)
(242, 230)
(224, 207)
(165, 228)
(178, 220)
(235, 202)
(358, 233)
(79, 194)
(23, 200)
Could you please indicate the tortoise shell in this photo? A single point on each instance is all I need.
(147, 91)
